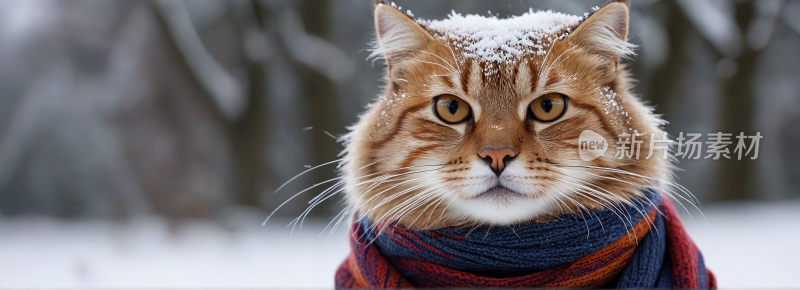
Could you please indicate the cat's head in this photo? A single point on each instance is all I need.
(481, 117)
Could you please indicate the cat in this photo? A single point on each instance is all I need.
(479, 121)
(505, 125)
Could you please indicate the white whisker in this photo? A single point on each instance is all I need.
(446, 62)
(669, 192)
(304, 172)
(433, 63)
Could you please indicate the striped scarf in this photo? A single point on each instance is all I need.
(642, 245)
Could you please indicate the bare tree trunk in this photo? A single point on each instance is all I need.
(248, 134)
(248, 137)
(735, 177)
(321, 94)
(662, 89)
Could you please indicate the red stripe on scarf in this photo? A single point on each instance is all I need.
(401, 235)
(683, 253)
(367, 268)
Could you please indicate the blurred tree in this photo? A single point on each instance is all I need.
(249, 132)
(662, 80)
(738, 109)
(320, 92)
(239, 110)
(242, 111)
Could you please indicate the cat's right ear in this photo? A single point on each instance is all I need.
(605, 31)
(399, 37)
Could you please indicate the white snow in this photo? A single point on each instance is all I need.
(45, 253)
(612, 103)
(495, 39)
(750, 245)
(746, 245)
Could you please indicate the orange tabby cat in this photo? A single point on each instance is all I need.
(480, 119)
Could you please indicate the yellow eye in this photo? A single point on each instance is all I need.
(549, 107)
(451, 109)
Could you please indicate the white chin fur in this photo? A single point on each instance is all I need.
(501, 209)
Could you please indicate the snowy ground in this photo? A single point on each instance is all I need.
(747, 245)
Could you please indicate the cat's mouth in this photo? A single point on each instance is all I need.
(499, 192)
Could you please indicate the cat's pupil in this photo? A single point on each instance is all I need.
(453, 107)
(547, 105)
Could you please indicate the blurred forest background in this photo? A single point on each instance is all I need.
(188, 109)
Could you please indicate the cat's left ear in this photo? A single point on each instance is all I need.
(605, 31)
(399, 38)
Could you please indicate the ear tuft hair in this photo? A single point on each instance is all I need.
(398, 35)
(605, 31)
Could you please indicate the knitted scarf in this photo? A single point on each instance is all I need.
(642, 245)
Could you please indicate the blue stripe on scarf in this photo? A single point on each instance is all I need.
(643, 270)
(509, 252)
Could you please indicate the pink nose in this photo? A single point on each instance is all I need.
(498, 158)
